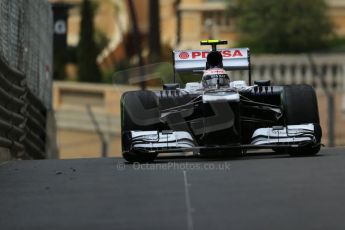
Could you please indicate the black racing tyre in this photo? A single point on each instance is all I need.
(139, 112)
(300, 107)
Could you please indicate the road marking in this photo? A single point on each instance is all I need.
(188, 203)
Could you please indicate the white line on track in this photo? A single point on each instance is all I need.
(188, 203)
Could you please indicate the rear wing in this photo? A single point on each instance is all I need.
(195, 60)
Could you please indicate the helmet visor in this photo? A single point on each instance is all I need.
(211, 81)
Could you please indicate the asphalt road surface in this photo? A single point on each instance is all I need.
(258, 191)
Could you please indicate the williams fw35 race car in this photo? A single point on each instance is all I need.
(217, 116)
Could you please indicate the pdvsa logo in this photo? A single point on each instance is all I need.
(225, 54)
(184, 55)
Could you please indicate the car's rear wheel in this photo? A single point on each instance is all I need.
(300, 107)
(139, 112)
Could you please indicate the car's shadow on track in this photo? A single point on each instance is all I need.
(248, 156)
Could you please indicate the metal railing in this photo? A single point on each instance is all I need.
(298, 69)
(25, 76)
(22, 116)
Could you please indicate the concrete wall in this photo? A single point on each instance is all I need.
(82, 111)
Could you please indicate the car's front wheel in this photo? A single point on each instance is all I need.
(139, 112)
(300, 107)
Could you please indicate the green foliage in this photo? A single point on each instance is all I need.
(337, 44)
(101, 41)
(282, 26)
(190, 77)
(71, 54)
(107, 76)
(88, 69)
(121, 74)
(165, 72)
(59, 65)
(154, 31)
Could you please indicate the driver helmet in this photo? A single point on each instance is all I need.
(215, 78)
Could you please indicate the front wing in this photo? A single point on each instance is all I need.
(292, 136)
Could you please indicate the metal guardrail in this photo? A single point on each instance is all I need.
(12, 104)
(22, 116)
(26, 34)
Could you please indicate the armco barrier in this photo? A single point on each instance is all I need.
(26, 37)
(12, 109)
(22, 116)
(36, 127)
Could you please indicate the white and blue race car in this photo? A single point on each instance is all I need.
(217, 116)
